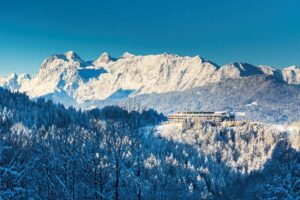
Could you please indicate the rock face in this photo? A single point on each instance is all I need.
(13, 82)
(291, 75)
(69, 78)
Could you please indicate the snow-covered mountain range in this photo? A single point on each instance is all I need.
(68, 79)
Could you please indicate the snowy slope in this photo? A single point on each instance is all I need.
(69, 78)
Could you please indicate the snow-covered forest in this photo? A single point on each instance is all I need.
(49, 152)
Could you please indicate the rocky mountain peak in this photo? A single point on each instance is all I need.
(104, 58)
(292, 67)
(127, 55)
(71, 55)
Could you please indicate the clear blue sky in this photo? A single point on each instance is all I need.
(256, 31)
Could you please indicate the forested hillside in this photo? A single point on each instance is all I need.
(49, 152)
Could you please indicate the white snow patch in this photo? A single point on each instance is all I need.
(254, 103)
